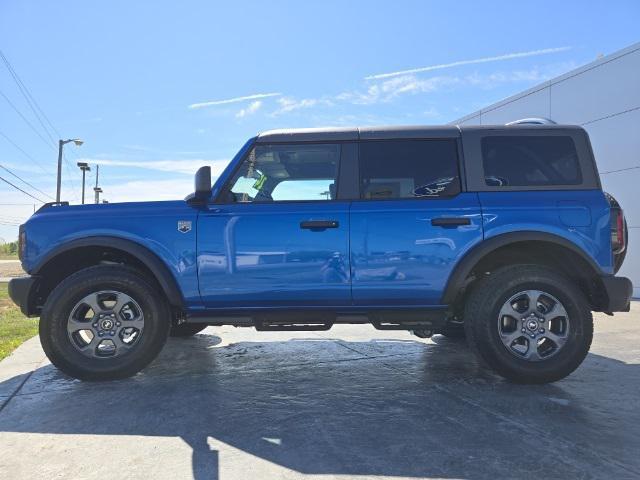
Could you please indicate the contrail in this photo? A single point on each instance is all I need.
(233, 100)
(507, 56)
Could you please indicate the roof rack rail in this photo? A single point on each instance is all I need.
(532, 121)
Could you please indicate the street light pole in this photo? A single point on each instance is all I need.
(85, 168)
(61, 143)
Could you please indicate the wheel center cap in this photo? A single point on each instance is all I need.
(106, 324)
(532, 325)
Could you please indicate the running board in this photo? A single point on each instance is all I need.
(292, 327)
(291, 319)
(423, 325)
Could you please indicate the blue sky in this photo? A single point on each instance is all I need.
(156, 89)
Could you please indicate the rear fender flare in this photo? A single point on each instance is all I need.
(464, 267)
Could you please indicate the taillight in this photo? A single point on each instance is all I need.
(619, 235)
(618, 226)
(618, 243)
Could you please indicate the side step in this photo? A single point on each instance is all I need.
(292, 327)
(403, 325)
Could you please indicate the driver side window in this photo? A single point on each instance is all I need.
(295, 172)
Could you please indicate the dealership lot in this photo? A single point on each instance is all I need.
(233, 403)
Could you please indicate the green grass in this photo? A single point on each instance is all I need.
(15, 328)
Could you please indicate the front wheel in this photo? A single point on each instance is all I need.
(529, 323)
(103, 323)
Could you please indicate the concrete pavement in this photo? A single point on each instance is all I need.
(351, 402)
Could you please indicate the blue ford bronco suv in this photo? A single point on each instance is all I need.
(500, 234)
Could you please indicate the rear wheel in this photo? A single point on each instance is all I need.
(529, 323)
(104, 322)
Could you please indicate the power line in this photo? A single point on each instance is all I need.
(24, 153)
(18, 80)
(18, 188)
(35, 108)
(26, 94)
(25, 182)
(26, 121)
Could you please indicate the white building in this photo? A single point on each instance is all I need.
(603, 97)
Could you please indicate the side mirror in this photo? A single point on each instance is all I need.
(202, 191)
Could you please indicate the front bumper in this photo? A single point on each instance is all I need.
(20, 291)
(619, 291)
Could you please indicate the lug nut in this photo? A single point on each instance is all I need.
(542, 330)
(112, 333)
(100, 334)
(523, 330)
(118, 324)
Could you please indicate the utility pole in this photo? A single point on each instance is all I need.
(62, 143)
(59, 178)
(85, 168)
(97, 190)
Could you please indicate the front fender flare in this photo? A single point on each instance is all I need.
(156, 266)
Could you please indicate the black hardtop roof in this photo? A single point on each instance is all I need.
(328, 134)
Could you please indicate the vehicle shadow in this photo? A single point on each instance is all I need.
(371, 408)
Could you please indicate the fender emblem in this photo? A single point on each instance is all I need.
(184, 226)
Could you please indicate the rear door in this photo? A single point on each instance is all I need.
(412, 223)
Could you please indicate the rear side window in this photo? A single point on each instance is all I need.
(392, 169)
(522, 161)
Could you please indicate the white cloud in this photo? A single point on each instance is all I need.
(508, 56)
(290, 104)
(250, 110)
(147, 190)
(183, 166)
(389, 89)
(431, 112)
(226, 101)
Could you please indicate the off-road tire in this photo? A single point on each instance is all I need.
(53, 322)
(481, 323)
(186, 329)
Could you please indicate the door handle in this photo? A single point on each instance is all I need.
(450, 221)
(319, 224)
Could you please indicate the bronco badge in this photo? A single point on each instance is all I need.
(184, 226)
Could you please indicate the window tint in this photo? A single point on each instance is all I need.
(530, 161)
(287, 172)
(408, 169)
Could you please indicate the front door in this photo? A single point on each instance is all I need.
(412, 223)
(282, 237)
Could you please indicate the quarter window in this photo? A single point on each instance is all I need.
(408, 169)
(522, 161)
(272, 173)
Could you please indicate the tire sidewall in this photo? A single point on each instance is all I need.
(484, 325)
(59, 305)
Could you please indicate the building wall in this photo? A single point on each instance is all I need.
(603, 97)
